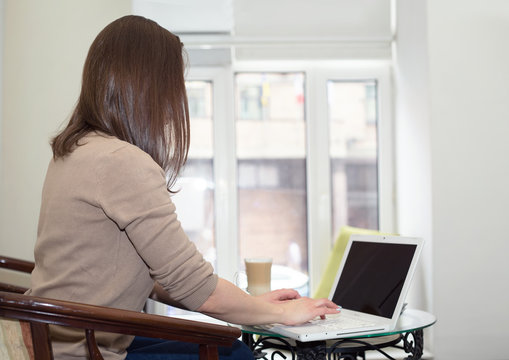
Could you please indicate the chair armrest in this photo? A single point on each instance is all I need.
(77, 315)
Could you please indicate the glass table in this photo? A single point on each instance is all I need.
(407, 335)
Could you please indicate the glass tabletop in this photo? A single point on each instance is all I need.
(410, 320)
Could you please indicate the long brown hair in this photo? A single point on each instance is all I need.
(133, 88)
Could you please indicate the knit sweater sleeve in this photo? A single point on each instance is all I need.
(132, 192)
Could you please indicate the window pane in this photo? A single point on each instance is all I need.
(271, 150)
(353, 141)
(195, 200)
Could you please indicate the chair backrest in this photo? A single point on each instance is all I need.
(15, 265)
(16, 336)
(25, 320)
(16, 340)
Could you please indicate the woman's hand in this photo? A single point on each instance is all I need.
(300, 311)
(227, 302)
(305, 309)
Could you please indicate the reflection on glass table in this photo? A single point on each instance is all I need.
(407, 335)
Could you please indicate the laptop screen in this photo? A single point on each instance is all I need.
(373, 276)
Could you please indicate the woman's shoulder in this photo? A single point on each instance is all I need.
(109, 155)
(122, 172)
(103, 146)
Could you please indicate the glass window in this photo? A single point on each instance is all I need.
(353, 141)
(271, 165)
(259, 162)
(195, 200)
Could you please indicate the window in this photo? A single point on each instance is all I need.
(195, 199)
(353, 144)
(283, 155)
(271, 165)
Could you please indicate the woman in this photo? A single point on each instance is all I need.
(108, 230)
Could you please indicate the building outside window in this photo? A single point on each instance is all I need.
(353, 143)
(271, 166)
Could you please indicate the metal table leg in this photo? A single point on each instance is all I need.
(413, 344)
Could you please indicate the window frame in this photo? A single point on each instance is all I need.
(319, 187)
(317, 73)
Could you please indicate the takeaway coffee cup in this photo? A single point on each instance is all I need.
(258, 271)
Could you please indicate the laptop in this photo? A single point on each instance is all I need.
(370, 286)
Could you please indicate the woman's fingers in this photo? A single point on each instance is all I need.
(304, 309)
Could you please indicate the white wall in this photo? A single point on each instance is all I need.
(44, 48)
(469, 80)
(412, 139)
(412, 143)
(453, 125)
(1, 76)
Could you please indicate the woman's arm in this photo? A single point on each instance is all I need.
(229, 303)
(162, 296)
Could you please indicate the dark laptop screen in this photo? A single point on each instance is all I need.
(373, 277)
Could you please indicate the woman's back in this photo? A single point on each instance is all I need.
(107, 228)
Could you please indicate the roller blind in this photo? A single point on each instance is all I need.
(347, 19)
(278, 29)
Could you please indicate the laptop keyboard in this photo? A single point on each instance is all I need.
(339, 322)
(331, 322)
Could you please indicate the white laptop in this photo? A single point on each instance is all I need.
(370, 286)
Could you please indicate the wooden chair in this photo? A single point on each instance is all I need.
(34, 314)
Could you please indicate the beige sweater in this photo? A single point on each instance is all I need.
(107, 231)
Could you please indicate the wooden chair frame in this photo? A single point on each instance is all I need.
(15, 265)
(41, 312)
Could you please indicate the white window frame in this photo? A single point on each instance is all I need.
(320, 238)
(224, 165)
